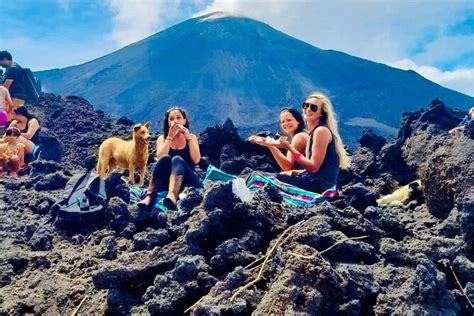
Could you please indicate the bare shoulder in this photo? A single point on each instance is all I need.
(301, 136)
(323, 133)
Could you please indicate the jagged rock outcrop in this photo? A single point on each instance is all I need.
(344, 256)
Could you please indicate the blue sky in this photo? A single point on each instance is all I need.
(432, 37)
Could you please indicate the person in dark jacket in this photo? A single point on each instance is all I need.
(13, 79)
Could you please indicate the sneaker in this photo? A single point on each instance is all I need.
(145, 203)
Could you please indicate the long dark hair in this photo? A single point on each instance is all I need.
(166, 125)
(23, 111)
(298, 117)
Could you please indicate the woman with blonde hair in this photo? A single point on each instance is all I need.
(325, 153)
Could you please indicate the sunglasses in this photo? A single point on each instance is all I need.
(311, 106)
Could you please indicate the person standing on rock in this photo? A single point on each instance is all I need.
(292, 124)
(325, 153)
(13, 80)
(177, 152)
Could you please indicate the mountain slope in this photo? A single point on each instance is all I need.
(218, 66)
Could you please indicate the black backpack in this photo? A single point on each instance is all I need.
(85, 201)
(32, 85)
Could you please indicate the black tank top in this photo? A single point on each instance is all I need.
(329, 170)
(183, 153)
(35, 138)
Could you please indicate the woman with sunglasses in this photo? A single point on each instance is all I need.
(325, 152)
(177, 152)
(292, 124)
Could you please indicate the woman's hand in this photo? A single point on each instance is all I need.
(186, 133)
(258, 140)
(292, 172)
(174, 130)
(284, 142)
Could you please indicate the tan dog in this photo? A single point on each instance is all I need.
(118, 153)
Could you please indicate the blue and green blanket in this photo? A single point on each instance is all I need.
(290, 194)
(138, 193)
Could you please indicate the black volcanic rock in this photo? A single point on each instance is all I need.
(344, 256)
(372, 141)
(437, 115)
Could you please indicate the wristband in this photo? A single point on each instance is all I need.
(297, 155)
(169, 138)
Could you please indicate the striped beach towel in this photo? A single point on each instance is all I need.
(290, 194)
(138, 193)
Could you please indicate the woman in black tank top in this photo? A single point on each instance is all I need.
(177, 152)
(29, 126)
(325, 153)
(292, 123)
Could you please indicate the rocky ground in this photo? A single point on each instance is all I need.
(345, 256)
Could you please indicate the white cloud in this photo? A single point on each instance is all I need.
(137, 19)
(461, 80)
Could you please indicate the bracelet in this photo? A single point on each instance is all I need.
(297, 155)
(169, 138)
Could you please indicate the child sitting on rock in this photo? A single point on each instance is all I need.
(12, 153)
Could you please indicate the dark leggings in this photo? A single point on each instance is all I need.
(306, 182)
(176, 166)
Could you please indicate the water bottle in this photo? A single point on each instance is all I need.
(83, 202)
(240, 189)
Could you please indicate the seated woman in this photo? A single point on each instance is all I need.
(177, 152)
(292, 124)
(29, 126)
(325, 152)
(12, 153)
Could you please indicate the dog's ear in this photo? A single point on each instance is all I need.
(147, 125)
(136, 127)
(414, 185)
